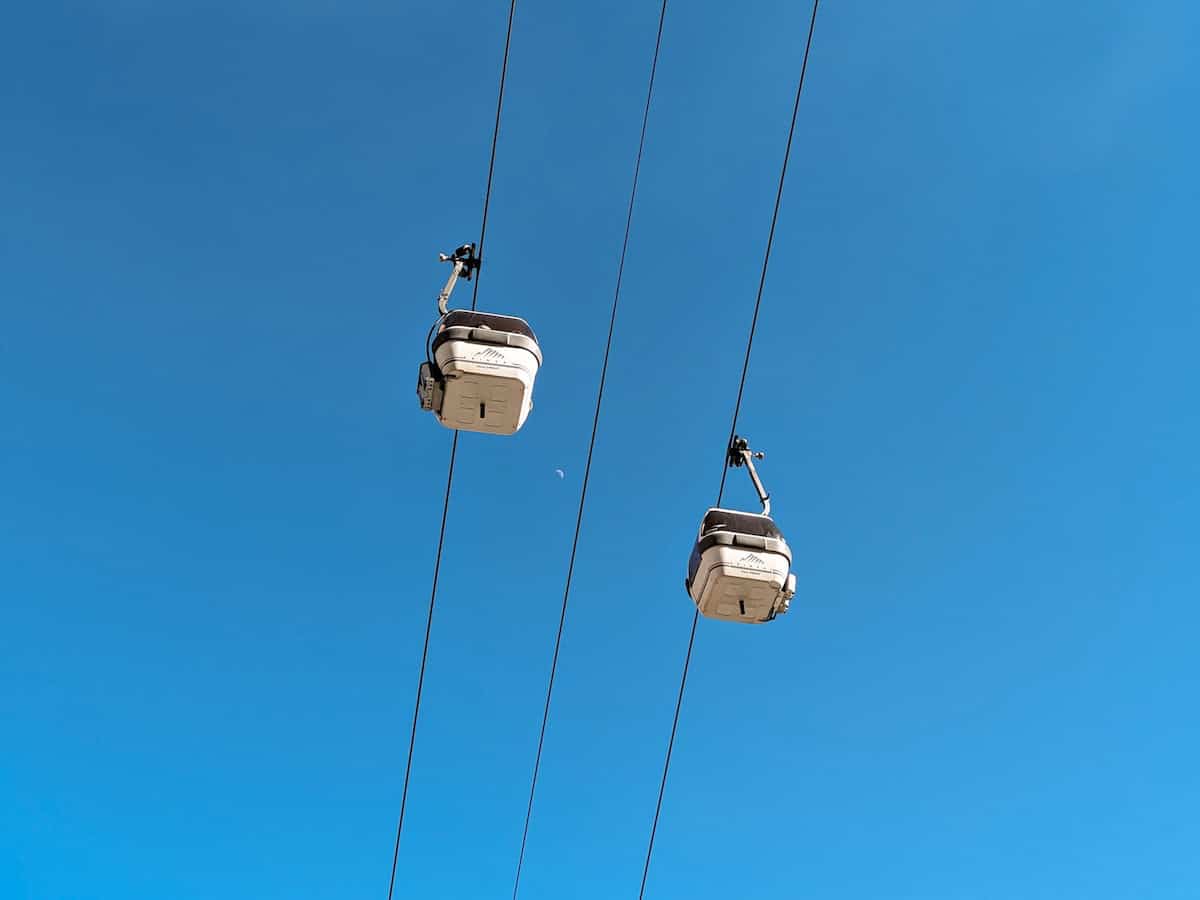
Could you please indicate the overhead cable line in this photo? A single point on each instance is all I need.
(587, 471)
(437, 565)
(487, 196)
(737, 408)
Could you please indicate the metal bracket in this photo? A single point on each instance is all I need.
(429, 389)
(739, 454)
(465, 262)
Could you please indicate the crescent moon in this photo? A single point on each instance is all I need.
(560, 473)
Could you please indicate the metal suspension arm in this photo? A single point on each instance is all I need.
(465, 262)
(740, 454)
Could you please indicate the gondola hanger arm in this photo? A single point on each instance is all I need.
(740, 454)
(465, 263)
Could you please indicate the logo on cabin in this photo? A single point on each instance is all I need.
(753, 561)
(487, 355)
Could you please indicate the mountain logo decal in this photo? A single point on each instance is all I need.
(487, 355)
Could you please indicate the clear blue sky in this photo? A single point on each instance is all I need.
(975, 380)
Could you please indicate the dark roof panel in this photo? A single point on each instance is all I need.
(472, 319)
(741, 522)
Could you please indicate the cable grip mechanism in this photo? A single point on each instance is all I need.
(465, 263)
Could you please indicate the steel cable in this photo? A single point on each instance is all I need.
(437, 565)
(612, 321)
(737, 408)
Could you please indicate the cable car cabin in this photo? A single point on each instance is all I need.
(487, 365)
(739, 570)
(480, 367)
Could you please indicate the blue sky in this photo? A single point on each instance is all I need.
(974, 378)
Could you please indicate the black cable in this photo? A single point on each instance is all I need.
(662, 787)
(412, 741)
(487, 196)
(762, 280)
(737, 408)
(437, 564)
(587, 471)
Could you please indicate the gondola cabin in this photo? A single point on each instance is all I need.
(481, 372)
(479, 367)
(740, 566)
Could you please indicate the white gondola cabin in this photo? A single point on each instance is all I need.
(740, 567)
(480, 367)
